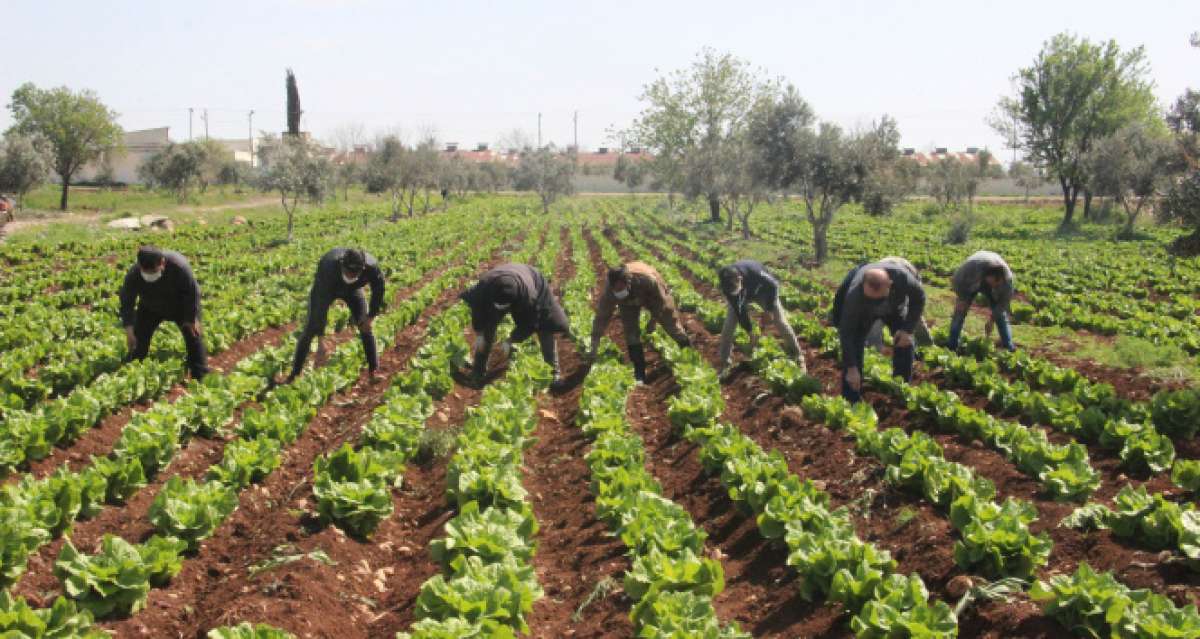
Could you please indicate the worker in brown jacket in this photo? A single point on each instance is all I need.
(631, 288)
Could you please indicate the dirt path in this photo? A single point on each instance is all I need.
(87, 218)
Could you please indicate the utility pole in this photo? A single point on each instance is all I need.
(204, 116)
(577, 132)
(250, 130)
(539, 131)
(190, 109)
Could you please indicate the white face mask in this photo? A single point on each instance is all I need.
(621, 294)
(349, 279)
(151, 277)
(501, 307)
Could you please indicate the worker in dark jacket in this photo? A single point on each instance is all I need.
(883, 291)
(162, 286)
(986, 273)
(742, 283)
(519, 290)
(341, 275)
(631, 288)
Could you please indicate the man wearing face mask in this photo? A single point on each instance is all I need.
(879, 291)
(742, 283)
(162, 286)
(631, 288)
(522, 291)
(988, 274)
(341, 275)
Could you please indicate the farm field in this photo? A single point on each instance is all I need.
(1044, 493)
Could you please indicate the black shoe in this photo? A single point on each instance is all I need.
(559, 384)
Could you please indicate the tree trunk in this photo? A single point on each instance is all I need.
(714, 209)
(66, 190)
(821, 242)
(1087, 204)
(1069, 196)
(729, 223)
(746, 226)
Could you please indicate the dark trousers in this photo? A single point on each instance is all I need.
(145, 323)
(318, 317)
(902, 361)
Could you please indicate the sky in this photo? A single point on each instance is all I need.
(473, 72)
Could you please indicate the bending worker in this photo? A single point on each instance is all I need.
(921, 335)
(341, 275)
(164, 288)
(632, 287)
(744, 282)
(878, 291)
(522, 291)
(987, 273)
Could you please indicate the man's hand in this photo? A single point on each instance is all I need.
(193, 328)
(854, 379)
(322, 354)
(989, 326)
(130, 338)
(364, 326)
(904, 339)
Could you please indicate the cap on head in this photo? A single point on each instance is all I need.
(876, 283)
(353, 261)
(618, 275)
(149, 257)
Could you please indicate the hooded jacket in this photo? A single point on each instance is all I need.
(328, 283)
(757, 286)
(533, 306)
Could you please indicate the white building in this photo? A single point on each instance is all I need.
(122, 165)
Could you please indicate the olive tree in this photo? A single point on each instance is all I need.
(548, 173)
(692, 118)
(1025, 176)
(24, 165)
(1131, 166)
(826, 166)
(1073, 94)
(391, 170)
(76, 127)
(630, 172)
(297, 169)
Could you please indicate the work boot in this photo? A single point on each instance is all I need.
(557, 384)
(637, 355)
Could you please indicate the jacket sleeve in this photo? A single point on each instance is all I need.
(916, 304)
(524, 321)
(377, 291)
(742, 311)
(850, 333)
(189, 293)
(604, 311)
(128, 297)
(839, 299)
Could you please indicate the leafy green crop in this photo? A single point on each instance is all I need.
(191, 510)
(116, 580)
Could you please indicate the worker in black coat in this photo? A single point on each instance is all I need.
(341, 275)
(161, 287)
(522, 291)
(884, 291)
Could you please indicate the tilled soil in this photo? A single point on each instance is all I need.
(920, 538)
(100, 438)
(578, 562)
(272, 517)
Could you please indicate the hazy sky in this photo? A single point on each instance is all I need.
(473, 71)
